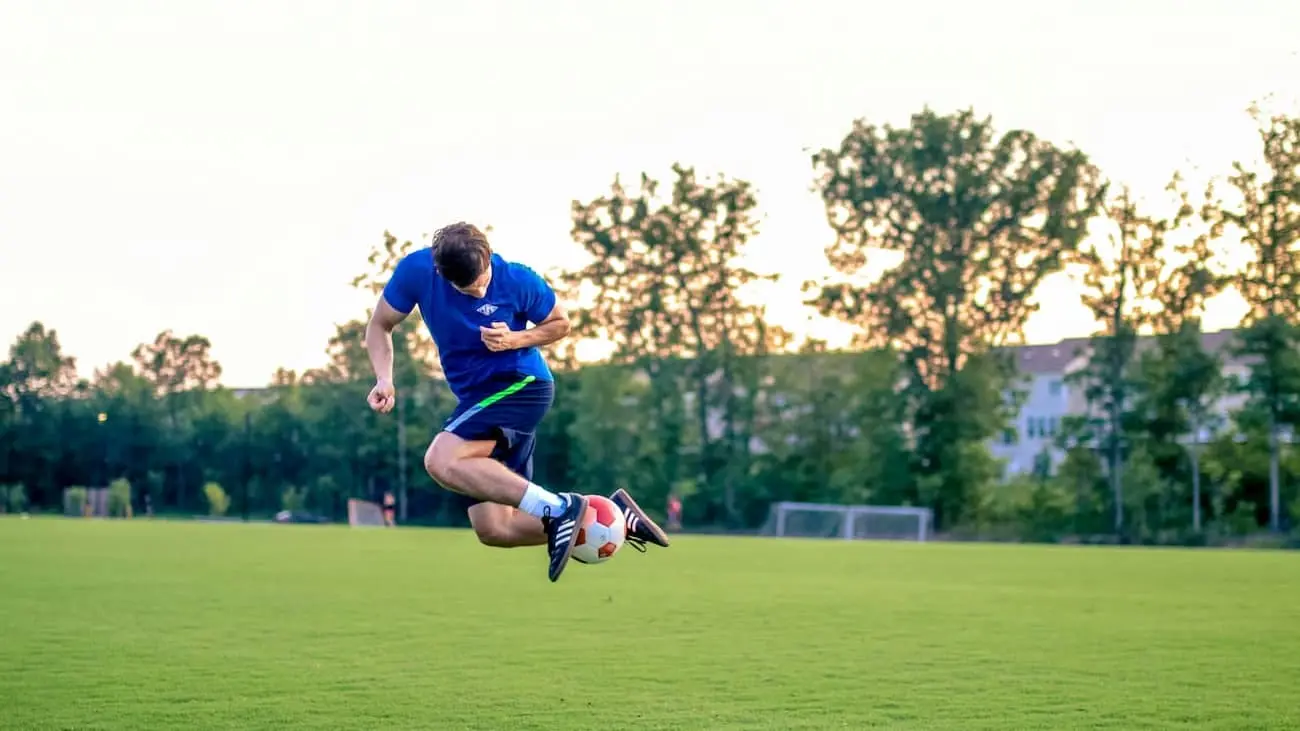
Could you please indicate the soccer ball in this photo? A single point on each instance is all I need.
(601, 533)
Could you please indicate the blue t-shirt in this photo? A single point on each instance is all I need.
(516, 296)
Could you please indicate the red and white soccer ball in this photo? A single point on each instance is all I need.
(602, 532)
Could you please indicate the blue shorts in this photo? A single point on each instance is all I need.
(509, 412)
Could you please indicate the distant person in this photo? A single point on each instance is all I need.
(674, 512)
(478, 307)
(389, 514)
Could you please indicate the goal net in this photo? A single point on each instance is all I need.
(848, 522)
(363, 513)
(89, 502)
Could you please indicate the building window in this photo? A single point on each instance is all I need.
(1040, 427)
(1054, 388)
(1008, 436)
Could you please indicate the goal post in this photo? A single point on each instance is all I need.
(849, 522)
(363, 513)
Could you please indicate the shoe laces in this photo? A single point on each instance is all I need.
(635, 542)
(633, 522)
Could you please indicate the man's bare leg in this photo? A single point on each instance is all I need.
(506, 527)
(467, 467)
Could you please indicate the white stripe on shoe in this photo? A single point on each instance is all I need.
(563, 533)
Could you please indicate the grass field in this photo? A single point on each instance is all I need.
(150, 625)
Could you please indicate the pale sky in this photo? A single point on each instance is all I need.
(223, 167)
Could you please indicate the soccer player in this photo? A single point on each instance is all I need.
(478, 307)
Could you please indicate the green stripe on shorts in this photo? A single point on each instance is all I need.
(508, 390)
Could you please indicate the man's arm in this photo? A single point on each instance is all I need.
(552, 328)
(379, 339)
(555, 327)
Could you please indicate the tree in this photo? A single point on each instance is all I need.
(664, 287)
(416, 371)
(979, 221)
(180, 370)
(1265, 214)
(1119, 283)
(831, 430)
(37, 366)
(1181, 381)
(132, 434)
(175, 364)
(1081, 471)
(613, 443)
(38, 378)
(8, 421)
(381, 262)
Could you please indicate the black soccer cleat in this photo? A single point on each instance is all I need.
(562, 531)
(640, 528)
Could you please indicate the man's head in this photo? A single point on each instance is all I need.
(463, 257)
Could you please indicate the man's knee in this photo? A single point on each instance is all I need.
(438, 459)
(492, 525)
(443, 459)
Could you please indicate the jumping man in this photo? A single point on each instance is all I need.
(478, 307)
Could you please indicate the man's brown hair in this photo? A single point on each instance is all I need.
(461, 253)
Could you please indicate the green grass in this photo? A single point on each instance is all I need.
(151, 625)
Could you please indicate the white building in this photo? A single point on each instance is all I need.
(1049, 397)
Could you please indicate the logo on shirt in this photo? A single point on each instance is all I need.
(487, 310)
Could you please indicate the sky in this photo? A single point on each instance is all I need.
(224, 168)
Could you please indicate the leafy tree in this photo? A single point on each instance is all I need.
(218, 501)
(1238, 462)
(1181, 381)
(367, 453)
(37, 366)
(1119, 284)
(132, 434)
(180, 370)
(1025, 506)
(13, 498)
(1082, 472)
(38, 378)
(613, 443)
(417, 372)
(831, 430)
(664, 287)
(174, 364)
(1265, 214)
(119, 498)
(347, 360)
(381, 262)
(8, 422)
(979, 221)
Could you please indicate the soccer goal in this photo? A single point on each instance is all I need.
(849, 522)
(362, 513)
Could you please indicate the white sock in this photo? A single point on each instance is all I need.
(537, 500)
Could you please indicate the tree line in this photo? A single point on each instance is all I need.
(702, 397)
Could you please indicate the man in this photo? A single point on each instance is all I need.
(478, 307)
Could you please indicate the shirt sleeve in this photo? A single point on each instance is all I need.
(403, 290)
(538, 297)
